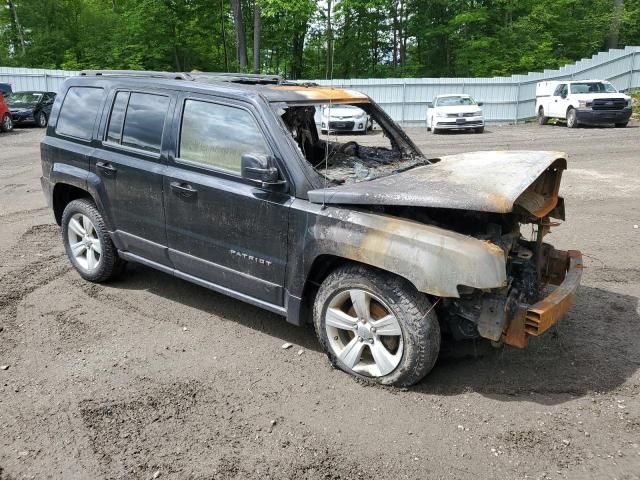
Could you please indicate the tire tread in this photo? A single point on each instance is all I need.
(112, 265)
(419, 320)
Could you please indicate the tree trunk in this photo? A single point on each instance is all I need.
(402, 33)
(395, 34)
(257, 31)
(16, 25)
(329, 69)
(612, 39)
(298, 51)
(224, 37)
(241, 41)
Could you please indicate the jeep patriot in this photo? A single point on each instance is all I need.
(224, 181)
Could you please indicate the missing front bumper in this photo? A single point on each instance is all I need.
(534, 320)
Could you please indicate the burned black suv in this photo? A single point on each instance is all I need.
(224, 181)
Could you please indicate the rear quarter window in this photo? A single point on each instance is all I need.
(79, 112)
(137, 120)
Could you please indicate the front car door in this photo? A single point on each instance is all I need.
(131, 164)
(558, 102)
(223, 230)
(47, 103)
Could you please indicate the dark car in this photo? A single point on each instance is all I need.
(31, 107)
(229, 186)
(5, 89)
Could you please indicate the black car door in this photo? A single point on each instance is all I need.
(220, 227)
(47, 102)
(131, 163)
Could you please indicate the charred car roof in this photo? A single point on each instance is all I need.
(271, 87)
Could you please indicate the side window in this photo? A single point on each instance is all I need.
(79, 111)
(137, 120)
(116, 120)
(558, 90)
(218, 135)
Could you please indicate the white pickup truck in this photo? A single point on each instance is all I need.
(582, 102)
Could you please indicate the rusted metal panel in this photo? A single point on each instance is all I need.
(301, 94)
(435, 260)
(548, 311)
(479, 181)
(536, 319)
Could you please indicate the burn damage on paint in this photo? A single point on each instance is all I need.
(468, 229)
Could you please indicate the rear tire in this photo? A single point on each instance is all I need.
(7, 123)
(572, 118)
(41, 119)
(354, 340)
(622, 125)
(542, 119)
(88, 243)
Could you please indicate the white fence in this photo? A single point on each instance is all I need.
(506, 99)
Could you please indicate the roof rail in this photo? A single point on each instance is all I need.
(246, 78)
(136, 73)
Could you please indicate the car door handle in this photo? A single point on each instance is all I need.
(183, 189)
(106, 167)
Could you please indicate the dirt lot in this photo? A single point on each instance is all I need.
(151, 376)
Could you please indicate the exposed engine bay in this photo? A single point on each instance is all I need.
(348, 162)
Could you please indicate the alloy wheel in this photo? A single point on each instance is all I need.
(363, 333)
(84, 242)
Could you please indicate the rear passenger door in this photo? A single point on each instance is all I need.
(220, 227)
(131, 165)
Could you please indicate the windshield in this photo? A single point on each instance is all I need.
(24, 97)
(454, 101)
(592, 87)
(349, 149)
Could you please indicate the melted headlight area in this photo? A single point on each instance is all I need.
(504, 315)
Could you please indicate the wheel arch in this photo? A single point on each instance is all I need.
(321, 267)
(63, 194)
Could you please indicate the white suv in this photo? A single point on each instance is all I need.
(454, 112)
(582, 102)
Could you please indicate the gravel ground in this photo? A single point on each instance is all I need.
(152, 377)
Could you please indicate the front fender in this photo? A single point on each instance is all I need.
(435, 260)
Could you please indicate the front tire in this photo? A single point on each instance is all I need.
(7, 123)
(87, 242)
(479, 130)
(542, 119)
(572, 118)
(41, 119)
(622, 125)
(376, 326)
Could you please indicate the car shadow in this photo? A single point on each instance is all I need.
(593, 349)
(140, 277)
(608, 126)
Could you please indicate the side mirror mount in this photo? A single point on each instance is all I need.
(480, 104)
(429, 104)
(563, 95)
(259, 168)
